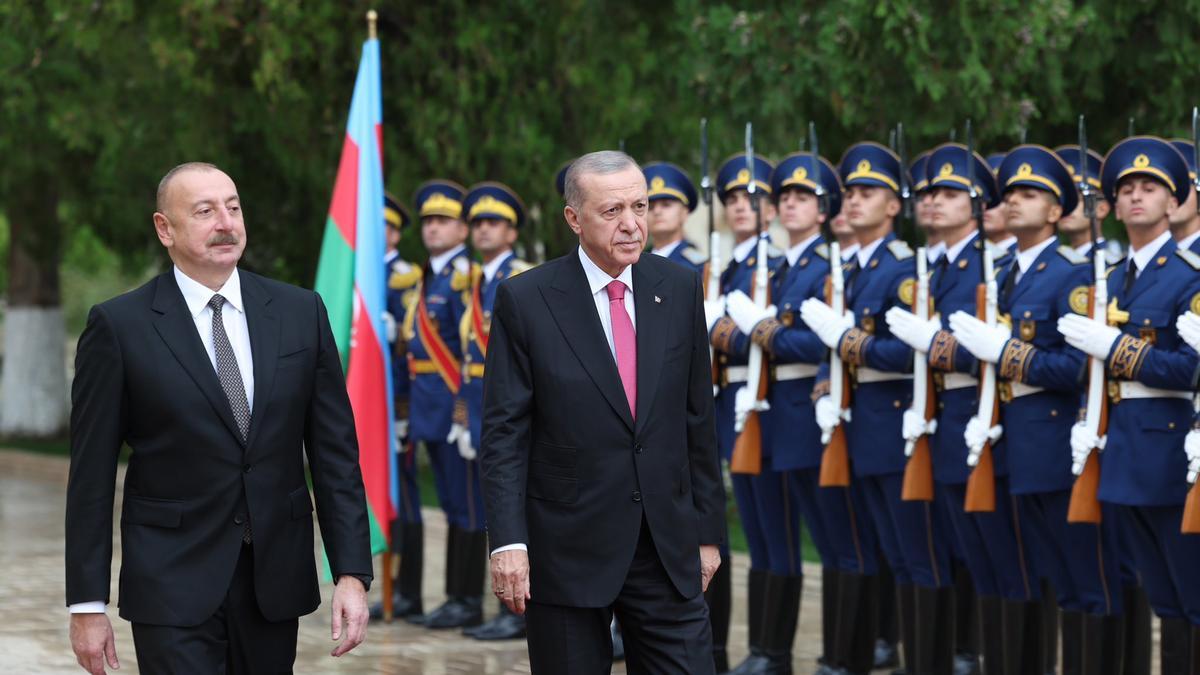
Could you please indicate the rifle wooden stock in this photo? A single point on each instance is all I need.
(1191, 511)
(747, 449)
(1085, 493)
(918, 472)
(981, 485)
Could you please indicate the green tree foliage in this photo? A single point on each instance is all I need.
(98, 99)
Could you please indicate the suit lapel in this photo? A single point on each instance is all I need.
(570, 301)
(176, 328)
(651, 309)
(264, 347)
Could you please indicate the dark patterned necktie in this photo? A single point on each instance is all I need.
(231, 379)
(227, 368)
(1131, 275)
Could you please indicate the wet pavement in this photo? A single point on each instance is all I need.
(33, 630)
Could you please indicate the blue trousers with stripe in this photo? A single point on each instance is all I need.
(458, 486)
(770, 516)
(992, 544)
(1167, 560)
(909, 533)
(838, 523)
(1081, 560)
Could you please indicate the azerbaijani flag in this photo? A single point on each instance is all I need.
(350, 279)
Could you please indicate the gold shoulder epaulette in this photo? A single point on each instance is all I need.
(404, 275)
(900, 249)
(517, 266)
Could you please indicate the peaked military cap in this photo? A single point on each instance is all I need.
(947, 168)
(1145, 156)
(560, 178)
(439, 197)
(1069, 154)
(1038, 167)
(491, 199)
(869, 163)
(734, 175)
(667, 181)
(795, 171)
(917, 171)
(394, 213)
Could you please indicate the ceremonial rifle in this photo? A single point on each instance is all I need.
(747, 450)
(835, 460)
(981, 485)
(1191, 507)
(918, 472)
(713, 267)
(1085, 503)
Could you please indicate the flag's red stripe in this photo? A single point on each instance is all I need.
(366, 383)
(344, 206)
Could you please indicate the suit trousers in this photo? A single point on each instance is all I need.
(236, 639)
(664, 632)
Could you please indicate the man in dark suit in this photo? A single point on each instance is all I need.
(599, 453)
(220, 381)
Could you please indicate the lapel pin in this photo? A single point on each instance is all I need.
(657, 299)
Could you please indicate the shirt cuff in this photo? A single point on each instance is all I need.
(94, 607)
(512, 547)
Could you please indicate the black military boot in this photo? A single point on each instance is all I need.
(464, 605)
(1175, 646)
(856, 624)
(406, 588)
(756, 587)
(1049, 623)
(1078, 635)
(906, 601)
(504, 626)
(888, 636)
(933, 632)
(991, 622)
(1139, 643)
(966, 629)
(1100, 646)
(780, 614)
(829, 599)
(719, 597)
(618, 640)
(1024, 637)
(1194, 652)
(1037, 645)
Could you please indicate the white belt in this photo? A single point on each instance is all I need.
(735, 374)
(1020, 389)
(1131, 389)
(958, 381)
(866, 375)
(795, 371)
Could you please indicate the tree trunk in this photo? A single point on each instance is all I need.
(33, 374)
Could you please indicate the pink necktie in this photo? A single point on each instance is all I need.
(625, 341)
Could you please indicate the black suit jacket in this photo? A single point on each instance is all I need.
(142, 377)
(566, 469)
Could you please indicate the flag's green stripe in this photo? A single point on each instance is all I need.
(335, 283)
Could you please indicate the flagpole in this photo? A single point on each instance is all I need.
(372, 17)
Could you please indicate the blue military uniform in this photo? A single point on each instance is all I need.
(760, 498)
(1069, 154)
(667, 181)
(1185, 148)
(1152, 378)
(881, 276)
(1040, 387)
(431, 327)
(989, 543)
(835, 517)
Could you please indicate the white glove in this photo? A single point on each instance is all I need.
(911, 329)
(976, 435)
(915, 426)
(1188, 325)
(464, 445)
(828, 326)
(827, 417)
(456, 430)
(401, 429)
(1191, 445)
(1090, 337)
(744, 401)
(1083, 441)
(714, 310)
(745, 313)
(389, 326)
(985, 342)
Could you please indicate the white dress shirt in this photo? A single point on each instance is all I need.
(196, 296)
(665, 251)
(793, 253)
(1187, 241)
(849, 251)
(864, 253)
(1025, 258)
(490, 269)
(1142, 257)
(598, 281)
(438, 262)
(1007, 242)
(952, 252)
(932, 252)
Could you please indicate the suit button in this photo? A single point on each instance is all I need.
(239, 520)
(246, 468)
(637, 496)
(638, 448)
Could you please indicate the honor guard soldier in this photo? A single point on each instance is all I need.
(882, 276)
(672, 198)
(1152, 377)
(495, 215)
(793, 441)
(1185, 221)
(435, 351)
(922, 203)
(759, 498)
(408, 532)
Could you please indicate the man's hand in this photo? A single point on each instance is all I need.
(510, 578)
(710, 562)
(93, 642)
(350, 607)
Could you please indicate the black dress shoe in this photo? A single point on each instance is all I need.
(966, 664)
(618, 642)
(402, 608)
(504, 626)
(886, 655)
(456, 613)
(762, 664)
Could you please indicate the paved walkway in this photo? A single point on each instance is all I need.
(33, 620)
